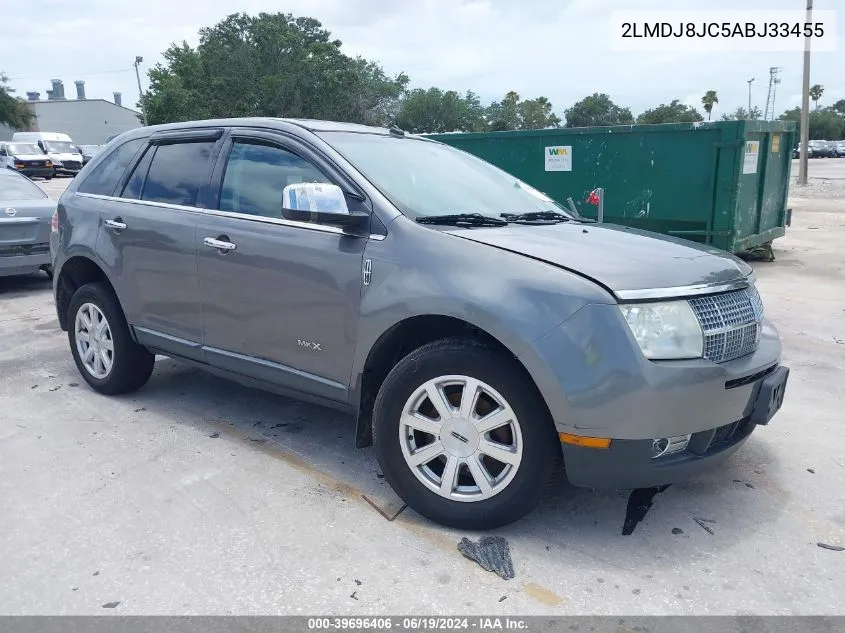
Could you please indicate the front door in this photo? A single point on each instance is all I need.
(279, 299)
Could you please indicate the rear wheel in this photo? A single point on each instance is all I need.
(102, 347)
(462, 436)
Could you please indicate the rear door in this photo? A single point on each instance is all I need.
(282, 303)
(148, 238)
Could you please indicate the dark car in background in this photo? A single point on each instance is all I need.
(26, 214)
(27, 159)
(817, 149)
(88, 152)
(840, 148)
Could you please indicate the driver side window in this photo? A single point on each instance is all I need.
(256, 174)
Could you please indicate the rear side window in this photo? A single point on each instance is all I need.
(104, 177)
(256, 175)
(177, 173)
(135, 184)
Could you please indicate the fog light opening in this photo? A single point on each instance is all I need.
(669, 445)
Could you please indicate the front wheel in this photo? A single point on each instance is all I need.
(102, 347)
(462, 435)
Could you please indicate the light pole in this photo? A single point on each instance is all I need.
(750, 81)
(138, 60)
(805, 104)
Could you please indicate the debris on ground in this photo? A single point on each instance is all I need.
(811, 471)
(503, 598)
(491, 552)
(96, 573)
(358, 582)
(214, 436)
(677, 531)
(761, 253)
(354, 595)
(834, 548)
(702, 523)
(111, 605)
(639, 503)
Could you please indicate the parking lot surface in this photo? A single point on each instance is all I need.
(198, 496)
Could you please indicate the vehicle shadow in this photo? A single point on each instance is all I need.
(17, 285)
(734, 500)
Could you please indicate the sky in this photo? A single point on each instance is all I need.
(556, 48)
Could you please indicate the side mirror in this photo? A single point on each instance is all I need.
(320, 203)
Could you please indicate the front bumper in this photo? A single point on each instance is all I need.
(629, 463)
(36, 172)
(597, 383)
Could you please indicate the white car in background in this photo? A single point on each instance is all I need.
(59, 147)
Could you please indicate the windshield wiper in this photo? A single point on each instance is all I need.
(462, 219)
(537, 216)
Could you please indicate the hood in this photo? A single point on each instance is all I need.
(622, 259)
(30, 156)
(65, 155)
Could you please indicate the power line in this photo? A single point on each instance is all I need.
(96, 72)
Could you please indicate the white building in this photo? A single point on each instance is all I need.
(87, 121)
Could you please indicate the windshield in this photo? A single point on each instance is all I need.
(424, 178)
(61, 147)
(23, 149)
(15, 187)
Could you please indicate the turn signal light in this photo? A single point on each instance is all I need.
(586, 442)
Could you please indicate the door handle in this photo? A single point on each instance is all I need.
(220, 245)
(117, 225)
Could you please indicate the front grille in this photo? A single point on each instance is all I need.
(731, 323)
(35, 163)
(71, 164)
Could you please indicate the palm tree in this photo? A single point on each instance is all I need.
(708, 101)
(816, 93)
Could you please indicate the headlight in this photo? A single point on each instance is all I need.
(665, 330)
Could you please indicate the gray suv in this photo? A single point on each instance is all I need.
(478, 332)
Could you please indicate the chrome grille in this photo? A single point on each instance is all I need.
(731, 323)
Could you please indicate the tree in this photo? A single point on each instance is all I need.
(675, 112)
(269, 65)
(504, 114)
(839, 107)
(436, 111)
(536, 114)
(742, 114)
(825, 124)
(14, 112)
(816, 93)
(597, 110)
(708, 101)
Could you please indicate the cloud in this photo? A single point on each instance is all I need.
(556, 48)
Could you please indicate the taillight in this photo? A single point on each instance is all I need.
(54, 222)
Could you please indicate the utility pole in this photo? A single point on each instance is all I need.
(138, 60)
(750, 81)
(805, 104)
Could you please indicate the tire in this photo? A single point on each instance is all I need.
(48, 178)
(131, 364)
(514, 489)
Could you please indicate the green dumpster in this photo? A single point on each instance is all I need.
(724, 183)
